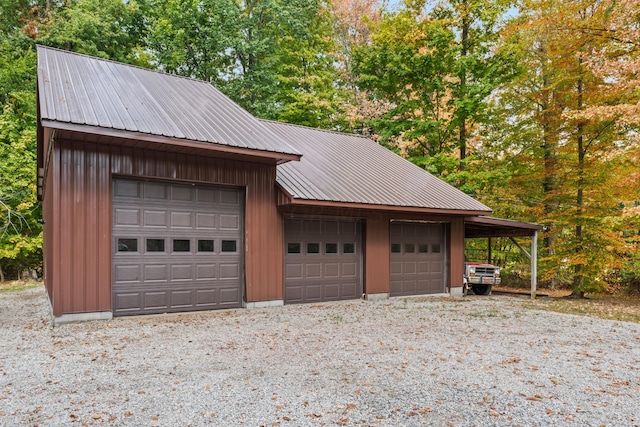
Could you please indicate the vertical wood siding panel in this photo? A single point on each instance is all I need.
(90, 177)
(103, 229)
(377, 255)
(66, 225)
(456, 252)
(78, 237)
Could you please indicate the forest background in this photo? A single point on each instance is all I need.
(531, 106)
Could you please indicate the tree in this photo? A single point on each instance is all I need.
(110, 29)
(436, 67)
(572, 155)
(274, 57)
(20, 232)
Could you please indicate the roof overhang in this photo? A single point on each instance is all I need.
(369, 206)
(279, 158)
(485, 226)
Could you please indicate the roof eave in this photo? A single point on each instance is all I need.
(392, 208)
(279, 157)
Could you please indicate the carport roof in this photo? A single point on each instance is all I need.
(484, 226)
(86, 94)
(348, 170)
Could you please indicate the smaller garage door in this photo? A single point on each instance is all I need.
(323, 260)
(417, 259)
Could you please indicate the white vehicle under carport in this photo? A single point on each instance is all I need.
(480, 277)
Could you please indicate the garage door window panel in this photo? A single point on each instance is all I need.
(294, 248)
(330, 248)
(349, 248)
(127, 245)
(229, 246)
(155, 245)
(206, 245)
(313, 248)
(181, 245)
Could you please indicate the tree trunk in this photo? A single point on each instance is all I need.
(462, 141)
(549, 147)
(577, 271)
(1, 274)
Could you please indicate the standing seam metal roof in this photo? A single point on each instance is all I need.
(84, 90)
(339, 167)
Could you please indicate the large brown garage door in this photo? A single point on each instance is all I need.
(323, 260)
(417, 259)
(176, 247)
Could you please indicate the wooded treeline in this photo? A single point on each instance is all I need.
(531, 106)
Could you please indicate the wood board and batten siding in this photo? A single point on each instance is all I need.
(77, 209)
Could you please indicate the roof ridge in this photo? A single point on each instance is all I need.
(44, 47)
(317, 129)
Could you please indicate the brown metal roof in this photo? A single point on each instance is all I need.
(344, 168)
(484, 226)
(97, 94)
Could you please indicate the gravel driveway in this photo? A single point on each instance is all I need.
(480, 361)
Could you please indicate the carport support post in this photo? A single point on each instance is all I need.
(534, 264)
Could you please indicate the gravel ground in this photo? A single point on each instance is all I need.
(481, 361)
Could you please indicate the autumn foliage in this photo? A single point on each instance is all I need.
(532, 106)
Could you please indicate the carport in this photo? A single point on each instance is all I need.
(488, 227)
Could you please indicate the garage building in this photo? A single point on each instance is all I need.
(160, 194)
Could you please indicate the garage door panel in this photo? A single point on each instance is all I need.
(127, 189)
(127, 217)
(229, 296)
(313, 271)
(349, 290)
(155, 191)
(331, 227)
(205, 221)
(437, 267)
(396, 267)
(229, 222)
(417, 258)
(423, 267)
(182, 193)
(409, 267)
(181, 220)
(129, 301)
(332, 270)
(155, 272)
(182, 298)
(313, 292)
(206, 271)
(293, 293)
(332, 291)
(180, 272)
(294, 271)
(154, 218)
(350, 269)
(229, 271)
(229, 197)
(127, 273)
(170, 253)
(293, 227)
(205, 298)
(322, 262)
(154, 300)
(313, 226)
